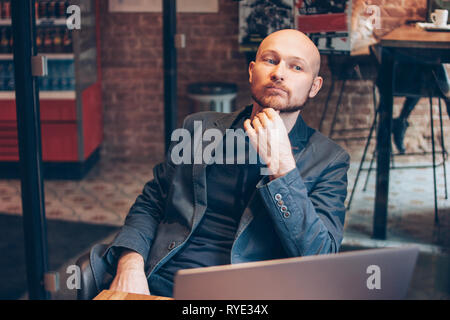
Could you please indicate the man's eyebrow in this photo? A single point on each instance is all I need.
(288, 58)
(268, 51)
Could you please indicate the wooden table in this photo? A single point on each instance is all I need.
(117, 295)
(436, 47)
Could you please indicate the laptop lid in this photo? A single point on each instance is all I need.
(367, 274)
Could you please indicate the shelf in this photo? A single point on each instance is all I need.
(43, 95)
(39, 22)
(50, 56)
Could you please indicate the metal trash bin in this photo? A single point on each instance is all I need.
(215, 96)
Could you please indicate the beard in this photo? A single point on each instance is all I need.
(268, 101)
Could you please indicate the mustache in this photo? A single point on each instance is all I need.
(269, 86)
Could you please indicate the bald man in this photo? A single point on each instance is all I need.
(289, 203)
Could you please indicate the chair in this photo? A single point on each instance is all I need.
(90, 286)
(429, 87)
(361, 66)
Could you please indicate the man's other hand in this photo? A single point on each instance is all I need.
(130, 276)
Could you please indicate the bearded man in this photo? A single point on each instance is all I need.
(199, 215)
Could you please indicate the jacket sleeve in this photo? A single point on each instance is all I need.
(309, 223)
(144, 216)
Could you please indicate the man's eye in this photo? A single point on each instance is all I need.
(270, 60)
(297, 68)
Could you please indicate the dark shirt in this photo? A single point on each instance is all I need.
(229, 187)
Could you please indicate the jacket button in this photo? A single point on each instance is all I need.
(278, 197)
(280, 203)
(283, 208)
(171, 245)
(287, 214)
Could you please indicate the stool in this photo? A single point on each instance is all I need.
(344, 68)
(430, 90)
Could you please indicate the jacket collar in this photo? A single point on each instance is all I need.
(226, 121)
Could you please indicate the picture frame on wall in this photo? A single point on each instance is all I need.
(198, 6)
(327, 23)
(259, 18)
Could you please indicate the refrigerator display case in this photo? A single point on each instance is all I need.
(70, 96)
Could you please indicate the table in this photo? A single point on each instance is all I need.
(117, 295)
(436, 47)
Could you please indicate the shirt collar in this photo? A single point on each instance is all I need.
(299, 133)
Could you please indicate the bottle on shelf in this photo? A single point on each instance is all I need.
(66, 5)
(57, 41)
(54, 73)
(11, 41)
(60, 10)
(71, 75)
(67, 41)
(44, 83)
(2, 75)
(6, 9)
(48, 43)
(66, 75)
(39, 40)
(36, 9)
(10, 76)
(50, 9)
(4, 41)
(42, 9)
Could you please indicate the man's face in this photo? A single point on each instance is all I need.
(283, 74)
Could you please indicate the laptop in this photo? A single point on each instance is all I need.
(366, 274)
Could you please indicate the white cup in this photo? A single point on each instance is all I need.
(439, 17)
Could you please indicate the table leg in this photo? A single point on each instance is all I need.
(385, 84)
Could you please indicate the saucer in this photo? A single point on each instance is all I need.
(432, 27)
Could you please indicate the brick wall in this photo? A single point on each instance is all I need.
(133, 77)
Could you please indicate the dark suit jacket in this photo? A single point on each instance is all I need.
(308, 221)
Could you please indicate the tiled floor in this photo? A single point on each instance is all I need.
(104, 196)
(411, 206)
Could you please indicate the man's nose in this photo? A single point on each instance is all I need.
(278, 72)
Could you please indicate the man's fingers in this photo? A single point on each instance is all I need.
(264, 119)
(249, 129)
(271, 113)
(257, 124)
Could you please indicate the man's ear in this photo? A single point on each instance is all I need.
(317, 84)
(250, 71)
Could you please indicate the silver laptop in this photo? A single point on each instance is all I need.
(367, 274)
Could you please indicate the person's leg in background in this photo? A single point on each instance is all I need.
(400, 124)
(443, 84)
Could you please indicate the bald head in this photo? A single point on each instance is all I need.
(285, 72)
(294, 42)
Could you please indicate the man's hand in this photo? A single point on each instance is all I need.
(269, 137)
(130, 276)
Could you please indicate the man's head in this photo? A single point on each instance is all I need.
(285, 72)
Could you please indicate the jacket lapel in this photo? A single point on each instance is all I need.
(199, 170)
